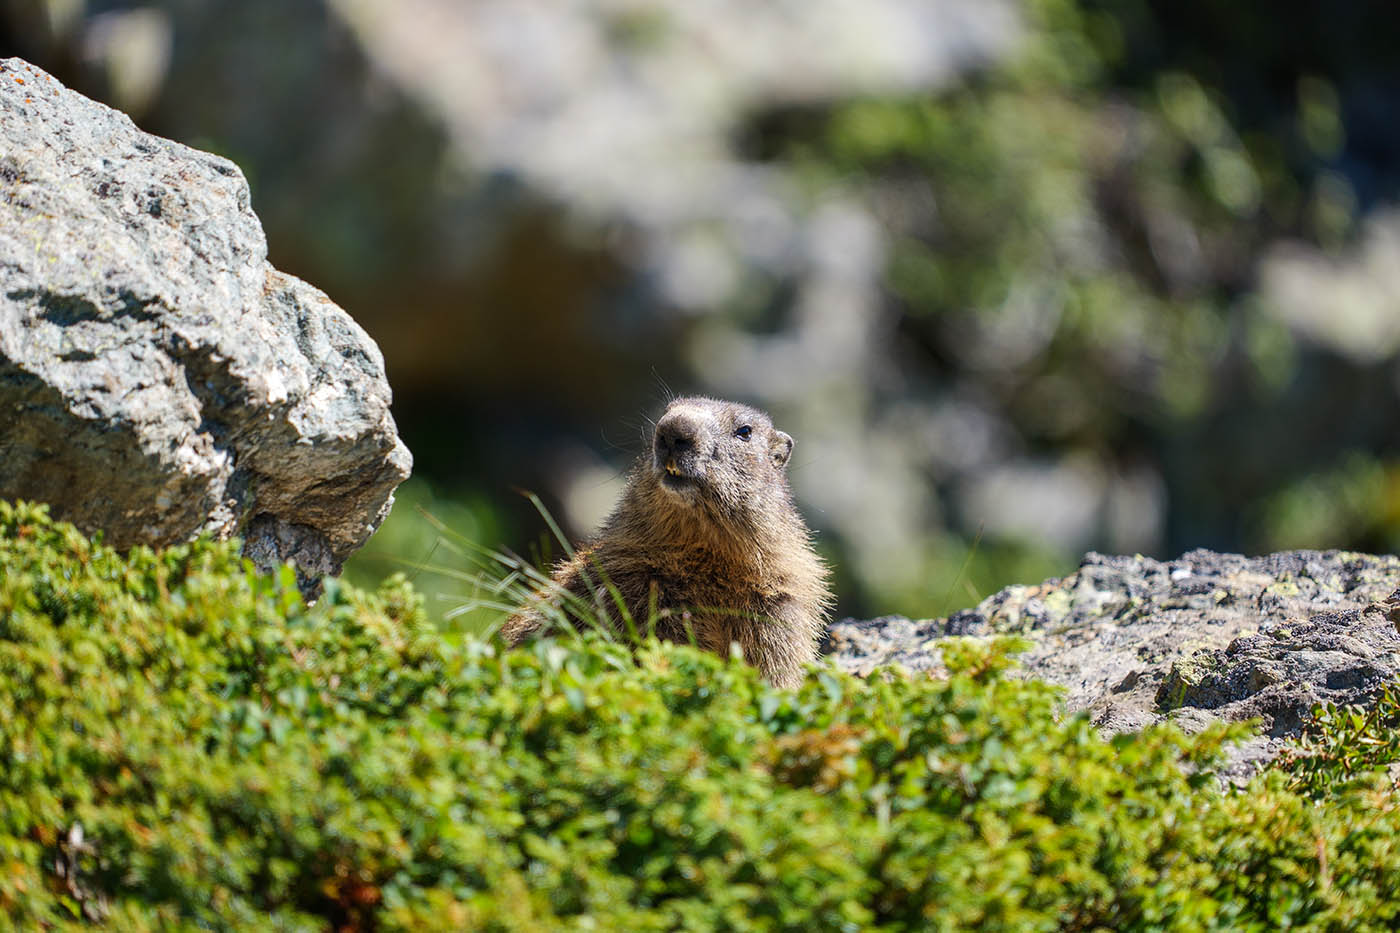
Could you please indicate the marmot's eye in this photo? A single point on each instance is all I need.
(742, 432)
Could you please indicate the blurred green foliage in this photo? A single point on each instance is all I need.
(184, 746)
(1358, 498)
(425, 539)
(1066, 278)
(1077, 232)
(1075, 238)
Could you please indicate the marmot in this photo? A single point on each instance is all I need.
(705, 544)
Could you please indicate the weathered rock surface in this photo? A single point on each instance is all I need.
(158, 378)
(1202, 638)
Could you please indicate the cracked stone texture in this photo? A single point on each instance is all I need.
(1205, 637)
(158, 378)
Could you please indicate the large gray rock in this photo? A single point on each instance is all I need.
(158, 378)
(1202, 638)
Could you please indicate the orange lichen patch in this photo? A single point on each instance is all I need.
(19, 79)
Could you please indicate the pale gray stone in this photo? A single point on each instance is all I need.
(158, 378)
(1203, 638)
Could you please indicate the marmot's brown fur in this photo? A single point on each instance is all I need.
(706, 535)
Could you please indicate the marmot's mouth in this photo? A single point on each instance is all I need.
(677, 480)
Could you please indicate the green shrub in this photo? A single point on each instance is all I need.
(236, 761)
(1342, 744)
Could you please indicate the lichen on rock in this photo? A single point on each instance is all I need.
(1203, 638)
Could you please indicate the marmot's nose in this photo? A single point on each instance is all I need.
(676, 434)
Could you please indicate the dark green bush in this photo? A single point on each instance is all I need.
(235, 761)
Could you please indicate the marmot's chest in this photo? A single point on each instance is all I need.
(703, 586)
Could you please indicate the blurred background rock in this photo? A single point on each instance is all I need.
(1023, 279)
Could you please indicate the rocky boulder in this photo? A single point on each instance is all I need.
(158, 378)
(1205, 637)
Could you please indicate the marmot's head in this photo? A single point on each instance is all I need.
(707, 452)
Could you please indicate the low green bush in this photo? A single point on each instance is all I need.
(1344, 744)
(183, 745)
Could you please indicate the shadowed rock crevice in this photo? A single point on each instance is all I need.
(67, 310)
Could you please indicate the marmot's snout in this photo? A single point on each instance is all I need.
(682, 441)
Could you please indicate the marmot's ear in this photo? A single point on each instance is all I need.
(780, 447)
